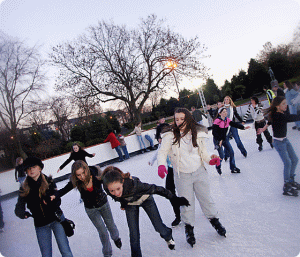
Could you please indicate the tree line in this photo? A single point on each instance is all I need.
(133, 68)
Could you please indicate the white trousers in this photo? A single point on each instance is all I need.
(194, 184)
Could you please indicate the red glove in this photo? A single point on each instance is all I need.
(215, 161)
(162, 170)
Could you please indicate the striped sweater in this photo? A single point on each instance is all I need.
(256, 113)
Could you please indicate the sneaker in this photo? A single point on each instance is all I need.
(295, 127)
(171, 244)
(118, 243)
(289, 190)
(219, 169)
(218, 226)
(260, 148)
(176, 222)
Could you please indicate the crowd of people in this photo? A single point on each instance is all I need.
(181, 157)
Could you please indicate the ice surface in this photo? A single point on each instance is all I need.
(259, 220)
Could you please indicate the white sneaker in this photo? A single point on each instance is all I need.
(171, 244)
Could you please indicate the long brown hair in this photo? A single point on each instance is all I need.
(24, 191)
(76, 181)
(113, 174)
(190, 125)
(288, 84)
(273, 108)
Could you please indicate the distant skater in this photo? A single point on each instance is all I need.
(115, 144)
(20, 173)
(77, 153)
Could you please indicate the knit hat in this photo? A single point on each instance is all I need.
(221, 109)
(32, 161)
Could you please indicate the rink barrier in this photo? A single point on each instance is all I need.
(104, 156)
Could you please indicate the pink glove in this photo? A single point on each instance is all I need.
(215, 161)
(162, 170)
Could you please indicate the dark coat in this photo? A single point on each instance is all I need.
(93, 199)
(220, 128)
(80, 155)
(134, 189)
(20, 172)
(43, 214)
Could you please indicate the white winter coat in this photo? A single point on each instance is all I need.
(168, 149)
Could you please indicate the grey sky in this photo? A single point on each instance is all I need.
(233, 30)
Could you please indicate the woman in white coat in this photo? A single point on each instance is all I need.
(185, 146)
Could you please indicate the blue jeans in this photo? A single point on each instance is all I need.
(229, 149)
(118, 149)
(44, 237)
(141, 142)
(132, 215)
(293, 110)
(124, 149)
(235, 134)
(103, 220)
(150, 140)
(289, 158)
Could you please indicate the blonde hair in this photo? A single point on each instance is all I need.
(230, 101)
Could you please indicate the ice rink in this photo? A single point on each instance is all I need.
(259, 220)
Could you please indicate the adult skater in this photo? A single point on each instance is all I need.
(221, 138)
(77, 153)
(255, 109)
(35, 192)
(115, 144)
(86, 180)
(278, 118)
(185, 146)
(233, 115)
(132, 194)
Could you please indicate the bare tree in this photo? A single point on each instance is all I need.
(20, 78)
(87, 106)
(61, 108)
(116, 63)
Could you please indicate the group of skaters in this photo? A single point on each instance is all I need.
(181, 155)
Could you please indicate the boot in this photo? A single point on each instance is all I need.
(289, 190)
(189, 233)
(218, 226)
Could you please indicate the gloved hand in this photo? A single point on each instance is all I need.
(162, 170)
(180, 201)
(215, 161)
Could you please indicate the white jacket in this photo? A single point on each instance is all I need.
(168, 149)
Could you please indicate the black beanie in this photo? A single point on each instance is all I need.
(32, 161)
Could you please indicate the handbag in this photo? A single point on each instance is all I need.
(67, 224)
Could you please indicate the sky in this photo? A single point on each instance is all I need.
(259, 220)
(233, 31)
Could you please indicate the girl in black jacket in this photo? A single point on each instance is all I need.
(85, 179)
(35, 193)
(77, 153)
(132, 194)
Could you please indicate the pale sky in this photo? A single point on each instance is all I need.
(233, 30)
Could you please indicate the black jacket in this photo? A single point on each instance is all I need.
(220, 128)
(134, 189)
(91, 200)
(20, 172)
(42, 213)
(159, 129)
(80, 155)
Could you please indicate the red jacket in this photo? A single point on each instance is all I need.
(112, 139)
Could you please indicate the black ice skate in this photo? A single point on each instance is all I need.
(260, 148)
(235, 170)
(189, 233)
(176, 222)
(218, 226)
(118, 243)
(171, 244)
(289, 190)
(219, 169)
